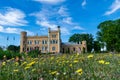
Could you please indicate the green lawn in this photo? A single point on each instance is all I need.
(63, 67)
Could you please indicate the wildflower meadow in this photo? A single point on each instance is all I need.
(62, 67)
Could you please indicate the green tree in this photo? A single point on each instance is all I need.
(109, 32)
(81, 37)
(97, 46)
(13, 48)
(1, 49)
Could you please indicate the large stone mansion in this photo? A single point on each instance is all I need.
(51, 43)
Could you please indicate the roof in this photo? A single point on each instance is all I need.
(70, 43)
(54, 31)
(37, 36)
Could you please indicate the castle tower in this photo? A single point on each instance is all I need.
(59, 39)
(84, 46)
(23, 42)
(48, 39)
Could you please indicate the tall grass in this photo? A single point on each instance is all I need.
(63, 67)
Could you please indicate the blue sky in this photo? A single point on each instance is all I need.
(35, 16)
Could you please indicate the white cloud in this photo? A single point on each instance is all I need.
(68, 20)
(12, 17)
(65, 31)
(114, 7)
(44, 17)
(83, 3)
(63, 11)
(46, 24)
(78, 28)
(13, 30)
(58, 16)
(50, 1)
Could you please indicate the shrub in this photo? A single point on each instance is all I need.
(34, 53)
(9, 54)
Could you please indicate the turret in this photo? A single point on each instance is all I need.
(59, 39)
(23, 41)
(84, 46)
(48, 39)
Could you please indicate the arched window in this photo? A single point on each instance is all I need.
(73, 49)
(63, 50)
(68, 50)
(53, 48)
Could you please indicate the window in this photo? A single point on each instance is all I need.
(68, 50)
(23, 49)
(27, 49)
(53, 48)
(56, 41)
(30, 48)
(53, 41)
(54, 36)
(29, 42)
(43, 48)
(23, 42)
(36, 48)
(36, 42)
(63, 50)
(44, 41)
(73, 49)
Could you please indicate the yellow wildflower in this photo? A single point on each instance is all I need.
(16, 63)
(52, 58)
(78, 54)
(90, 56)
(75, 61)
(30, 64)
(23, 63)
(35, 58)
(36, 61)
(54, 72)
(8, 60)
(107, 62)
(27, 67)
(3, 63)
(4, 56)
(16, 70)
(67, 61)
(79, 71)
(101, 61)
(64, 73)
(33, 70)
(12, 58)
(70, 65)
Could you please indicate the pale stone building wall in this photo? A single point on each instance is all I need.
(50, 43)
(74, 47)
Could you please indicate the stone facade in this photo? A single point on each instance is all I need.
(74, 47)
(50, 43)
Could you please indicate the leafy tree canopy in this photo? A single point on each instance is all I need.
(109, 32)
(1, 49)
(13, 48)
(97, 46)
